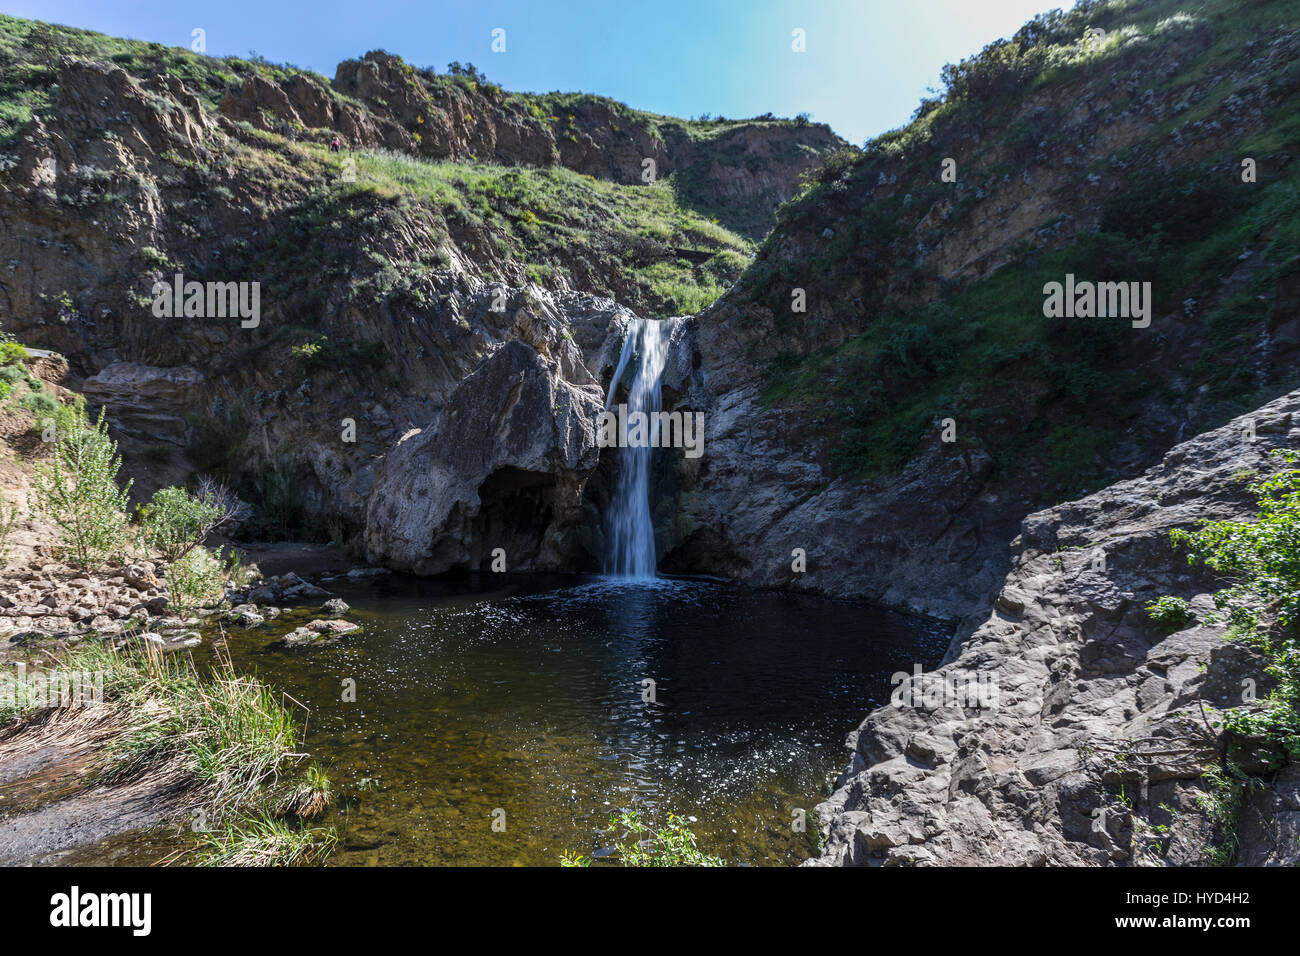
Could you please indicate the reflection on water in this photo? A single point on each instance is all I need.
(527, 697)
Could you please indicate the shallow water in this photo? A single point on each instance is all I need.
(524, 694)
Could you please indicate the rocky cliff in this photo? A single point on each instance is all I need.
(1102, 726)
(882, 387)
(455, 216)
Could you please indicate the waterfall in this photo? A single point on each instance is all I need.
(630, 540)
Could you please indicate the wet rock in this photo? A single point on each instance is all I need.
(306, 592)
(243, 615)
(367, 572)
(335, 607)
(267, 594)
(319, 633)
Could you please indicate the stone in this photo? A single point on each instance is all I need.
(515, 442)
(318, 633)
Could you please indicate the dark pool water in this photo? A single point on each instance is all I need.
(524, 694)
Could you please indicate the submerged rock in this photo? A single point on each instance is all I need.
(318, 633)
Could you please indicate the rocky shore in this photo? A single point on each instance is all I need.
(1097, 749)
(50, 602)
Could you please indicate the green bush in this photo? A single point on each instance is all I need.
(76, 491)
(175, 521)
(1262, 605)
(670, 845)
(41, 404)
(195, 579)
(1170, 613)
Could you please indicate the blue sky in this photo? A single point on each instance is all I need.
(867, 64)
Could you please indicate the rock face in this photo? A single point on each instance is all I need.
(144, 399)
(502, 468)
(786, 393)
(757, 161)
(1081, 675)
(929, 539)
(136, 177)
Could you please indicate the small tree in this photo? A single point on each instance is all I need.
(194, 579)
(77, 491)
(175, 521)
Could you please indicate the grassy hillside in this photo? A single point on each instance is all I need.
(1107, 143)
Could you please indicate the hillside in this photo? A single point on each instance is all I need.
(1107, 144)
(125, 163)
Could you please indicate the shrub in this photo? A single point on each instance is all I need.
(76, 490)
(40, 404)
(176, 521)
(1262, 559)
(670, 845)
(194, 580)
(1170, 613)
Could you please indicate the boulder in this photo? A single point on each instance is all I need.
(502, 468)
(318, 633)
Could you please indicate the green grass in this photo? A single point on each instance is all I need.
(264, 840)
(228, 739)
(232, 733)
(30, 52)
(630, 242)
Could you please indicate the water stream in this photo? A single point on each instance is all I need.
(630, 551)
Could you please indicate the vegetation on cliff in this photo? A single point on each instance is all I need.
(1108, 142)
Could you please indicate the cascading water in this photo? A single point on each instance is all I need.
(630, 542)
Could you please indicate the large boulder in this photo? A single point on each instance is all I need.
(502, 468)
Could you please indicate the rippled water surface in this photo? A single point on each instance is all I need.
(527, 697)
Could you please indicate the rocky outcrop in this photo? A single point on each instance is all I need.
(929, 539)
(752, 162)
(145, 399)
(503, 467)
(1101, 724)
(301, 103)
